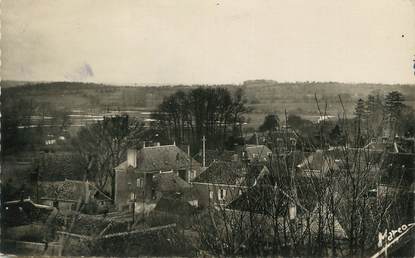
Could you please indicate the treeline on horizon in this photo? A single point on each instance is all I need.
(262, 97)
(295, 96)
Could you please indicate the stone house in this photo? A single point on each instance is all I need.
(321, 162)
(223, 181)
(268, 204)
(134, 178)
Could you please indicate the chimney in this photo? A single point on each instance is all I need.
(87, 192)
(132, 158)
(190, 164)
(204, 152)
(235, 157)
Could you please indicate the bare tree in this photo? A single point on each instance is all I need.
(211, 112)
(334, 203)
(103, 146)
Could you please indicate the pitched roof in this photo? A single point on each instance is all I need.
(70, 190)
(123, 166)
(215, 155)
(162, 158)
(315, 161)
(316, 223)
(256, 172)
(341, 158)
(92, 225)
(258, 152)
(266, 196)
(222, 172)
(170, 182)
(174, 206)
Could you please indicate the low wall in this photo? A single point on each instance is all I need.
(32, 232)
(31, 248)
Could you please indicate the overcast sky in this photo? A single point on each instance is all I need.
(192, 41)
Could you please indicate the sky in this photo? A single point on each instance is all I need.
(208, 42)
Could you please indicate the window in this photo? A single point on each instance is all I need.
(182, 174)
(221, 194)
(293, 141)
(210, 194)
(132, 196)
(139, 182)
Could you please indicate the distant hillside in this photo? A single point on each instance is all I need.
(263, 95)
(271, 96)
(9, 84)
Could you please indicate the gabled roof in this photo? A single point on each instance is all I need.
(261, 200)
(257, 152)
(162, 158)
(315, 161)
(222, 172)
(69, 190)
(256, 172)
(170, 182)
(342, 158)
(339, 231)
(267, 198)
(215, 155)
